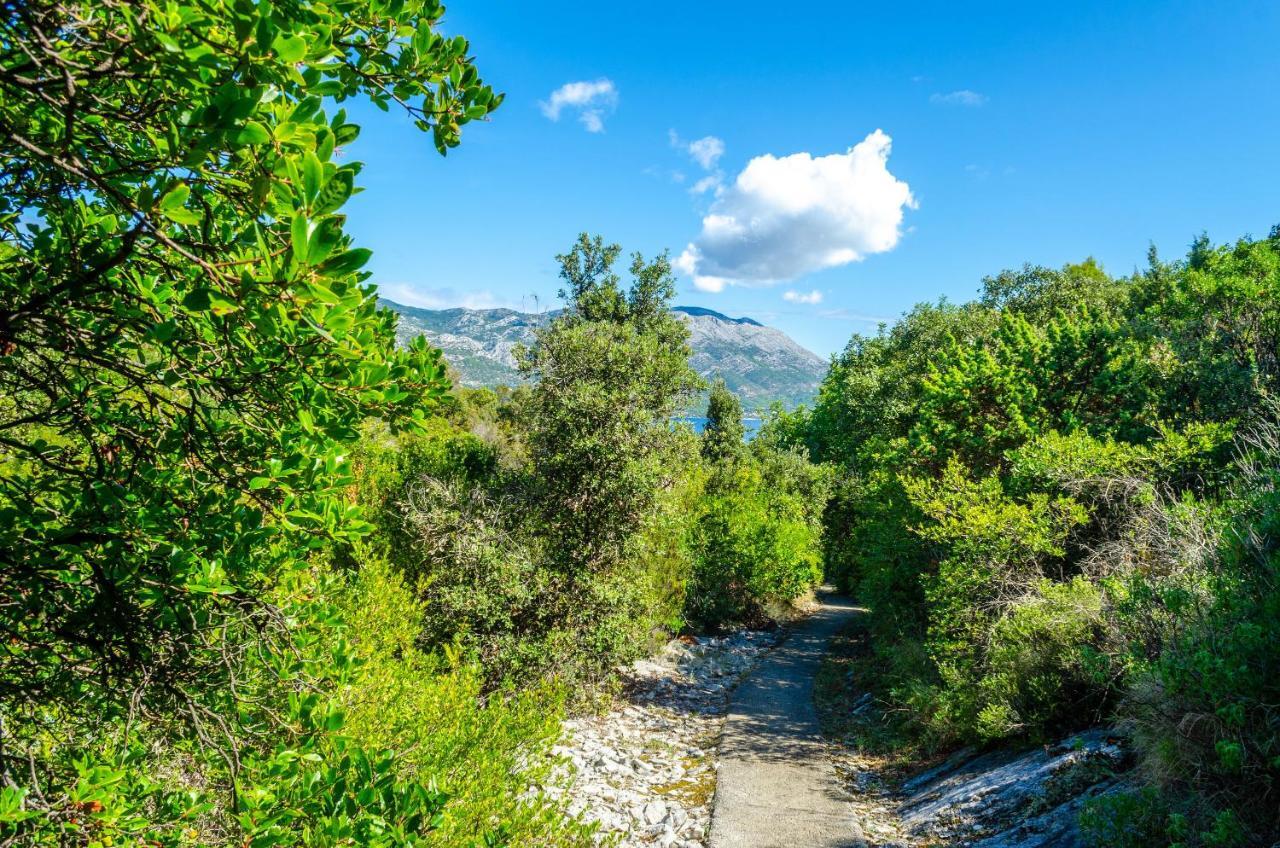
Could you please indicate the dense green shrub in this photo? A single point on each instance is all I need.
(1036, 497)
(757, 535)
(997, 551)
(189, 345)
(481, 751)
(723, 431)
(758, 538)
(663, 557)
(547, 529)
(1139, 819)
(609, 372)
(1208, 674)
(1046, 666)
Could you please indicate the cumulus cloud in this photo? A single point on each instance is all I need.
(706, 151)
(812, 297)
(592, 100)
(963, 97)
(784, 217)
(708, 183)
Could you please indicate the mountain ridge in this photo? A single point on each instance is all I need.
(759, 363)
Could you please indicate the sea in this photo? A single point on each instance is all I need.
(699, 423)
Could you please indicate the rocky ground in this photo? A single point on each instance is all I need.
(1000, 799)
(646, 769)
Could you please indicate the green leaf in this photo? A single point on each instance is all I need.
(306, 109)
(346, 262)
(335, 193)
(312, 176)
(209, 300)
(175, 198)
(324, 238)
(299, 237)
(290, 48)
(252, 133)
(197, 300)
(172, 205)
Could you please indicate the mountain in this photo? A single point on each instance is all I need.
(759, 363)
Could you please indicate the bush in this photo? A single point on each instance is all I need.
(758, 538)
(1046, 666)
(664, 558)
(1202, 706)
(547, 529)
(482, 751)
(1139, 819)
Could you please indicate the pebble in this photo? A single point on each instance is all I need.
(645, 770)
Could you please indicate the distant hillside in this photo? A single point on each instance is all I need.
(759, 363)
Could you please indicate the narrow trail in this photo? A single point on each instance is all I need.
(776, 787)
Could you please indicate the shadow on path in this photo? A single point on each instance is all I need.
(775, 787)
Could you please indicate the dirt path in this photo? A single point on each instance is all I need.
(776, 787)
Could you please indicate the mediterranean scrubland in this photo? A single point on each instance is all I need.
(1059, 503)
(269, 579)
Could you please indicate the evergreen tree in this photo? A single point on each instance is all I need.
(722, 436)
(609, 373)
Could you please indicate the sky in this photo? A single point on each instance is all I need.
(824, 166)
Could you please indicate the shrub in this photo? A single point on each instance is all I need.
(482, 751)
(547, 528)
(758, 538)
(1202, 705)
(1139, 819)
(189, 344)
(1046, 664)
(723, 432)
(663, 557)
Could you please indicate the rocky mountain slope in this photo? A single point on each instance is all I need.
(759, 363)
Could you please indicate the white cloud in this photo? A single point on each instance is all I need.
(707, 183)
(963, 97)
(592, 100)
(706, 151)
(812, 297)
(784, 217)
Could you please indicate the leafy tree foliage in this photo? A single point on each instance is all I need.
(723, 432)
(758, 537)
(610, 372)
(188, 345)
(758, 540)
(1037, 498)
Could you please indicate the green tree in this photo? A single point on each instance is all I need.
(189, 344)
(610, 372)
(723, 433)
(758, 539)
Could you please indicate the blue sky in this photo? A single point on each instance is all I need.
(1020, 132)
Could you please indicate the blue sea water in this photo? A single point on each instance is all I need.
(699, 423)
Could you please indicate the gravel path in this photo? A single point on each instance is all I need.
(645, 771)
(776, 785)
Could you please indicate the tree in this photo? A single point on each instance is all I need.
(188, 345)
(723, 433)
(610, 371)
